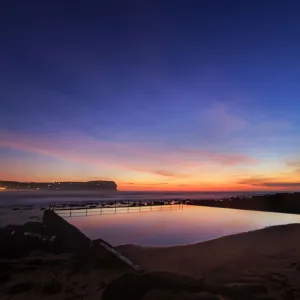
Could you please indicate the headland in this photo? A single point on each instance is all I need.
(60, 185)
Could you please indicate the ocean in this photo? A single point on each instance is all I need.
(23, 198)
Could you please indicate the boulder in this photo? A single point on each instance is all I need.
(171, 295)
(134, 286)
(68, 237)
(246, 291)
(52, 287)
(20, 288)
(17, 241)
(4, 277)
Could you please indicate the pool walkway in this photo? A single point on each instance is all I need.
(112, 207)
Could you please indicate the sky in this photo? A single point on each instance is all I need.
(155, 95)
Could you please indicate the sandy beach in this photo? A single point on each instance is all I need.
(269, 256)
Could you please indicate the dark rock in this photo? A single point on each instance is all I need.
(128, 286)
(5, 267)
(34, 217)
(35, 262)
(4, 232)
(20, 288)
(25, 269)
(69, 238)
(280, 202)
(54, 262)
(40, 262)
(165, 280)
(17, 241)
(69, 290)
(245, 291)
(160, 295)
(203, 296)
(4, 277)
(28, 208)
(134, 286)
(53, 287)
(171, 295)
(102, 285)
(13, 245)
(37, 227)
(93, 206)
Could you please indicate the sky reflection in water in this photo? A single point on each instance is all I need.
(167, 227)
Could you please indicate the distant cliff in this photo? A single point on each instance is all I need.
(60, 185)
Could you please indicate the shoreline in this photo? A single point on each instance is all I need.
(61, 197)
(284, 202)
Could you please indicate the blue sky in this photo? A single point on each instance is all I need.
(180, 88)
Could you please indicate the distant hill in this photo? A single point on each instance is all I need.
(60, 185)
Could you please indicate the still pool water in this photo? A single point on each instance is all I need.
(171, 225)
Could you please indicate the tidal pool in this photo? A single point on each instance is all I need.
(171, 225)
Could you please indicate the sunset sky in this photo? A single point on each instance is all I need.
(155, 95)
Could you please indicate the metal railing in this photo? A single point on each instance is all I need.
(113, 207)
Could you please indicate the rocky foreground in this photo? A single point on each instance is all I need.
(54, 260)
(279, 202)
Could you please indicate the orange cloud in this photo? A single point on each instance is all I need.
(73, 144)
(220, 158)
(133, 159)
(293, 163)
(274, 183)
